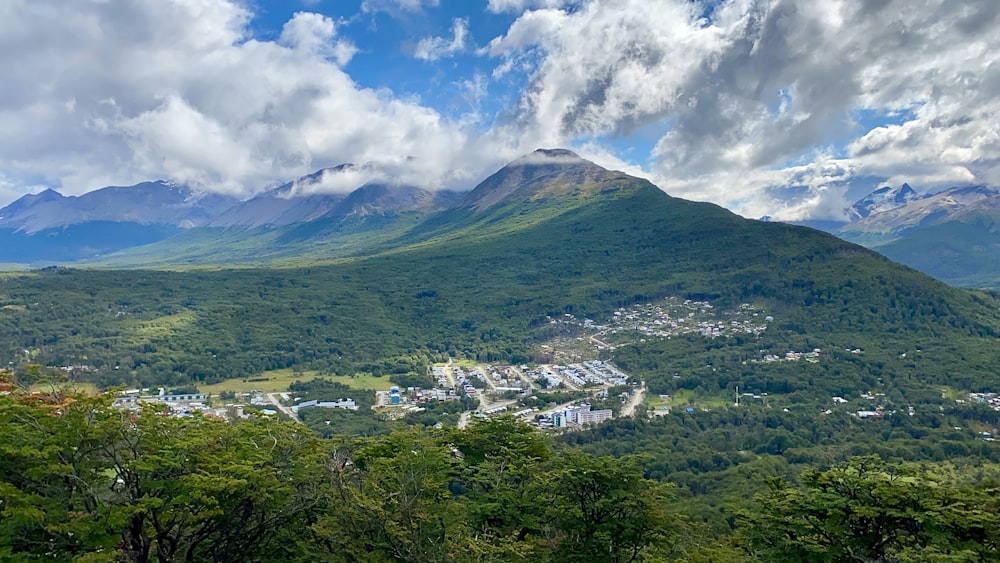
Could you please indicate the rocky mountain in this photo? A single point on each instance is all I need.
(882, 200)
(961, 248)
(49, 227)
(292, 202)
(950, 235)
(148, 203)
(883, 226)
(371, 199)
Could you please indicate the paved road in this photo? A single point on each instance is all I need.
(274, 400)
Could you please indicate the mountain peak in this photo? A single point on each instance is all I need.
(881, 200)
(555, 153)
(542, 173)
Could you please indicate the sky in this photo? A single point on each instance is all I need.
(791, 109)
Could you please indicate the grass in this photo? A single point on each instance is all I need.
(48, 387)
(12, 267)
(279, 380)
(687, 398)
(163, 327)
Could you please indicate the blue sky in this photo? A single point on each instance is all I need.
(768, 107)
(386, 37)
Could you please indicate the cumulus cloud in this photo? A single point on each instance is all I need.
(434, 48)
(519, 6)
(396, 6)
(791, 109)
(752, 96)
(316, 34)
(123, 91)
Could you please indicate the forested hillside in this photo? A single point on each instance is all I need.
(489, 284)
(482, 285)
(83, 481)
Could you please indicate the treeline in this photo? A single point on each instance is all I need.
(82, 481)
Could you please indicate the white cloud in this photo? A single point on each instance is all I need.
(766, 106)
(519, 6)
(434, 48)
(315, 33)
(123, 91)
(396, 6)
(753, 96)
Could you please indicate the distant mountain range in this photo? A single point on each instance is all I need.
(881, 200)
(148, 203)
(951, 235)
(48, 227)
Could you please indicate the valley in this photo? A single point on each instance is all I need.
(707, 353)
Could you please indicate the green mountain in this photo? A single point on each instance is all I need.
(492, 278)
(950, 235)
(484, 279)
(962, 250)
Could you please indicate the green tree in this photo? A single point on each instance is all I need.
(868, 510)
(606, 511)
(81, 478)
(506, 467)
(391, 502)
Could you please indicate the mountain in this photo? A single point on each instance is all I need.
(148, 203)
(543, 173)
(961, 248)
(882, 200)
(490, 277)
(949, 234)
(49, 227)
(289, 224)
(883, 226)
(289, 203)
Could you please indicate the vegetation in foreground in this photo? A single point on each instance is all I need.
(82, 481)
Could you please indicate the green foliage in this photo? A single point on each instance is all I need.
(871, 511)
(82, 480)
(609, 513)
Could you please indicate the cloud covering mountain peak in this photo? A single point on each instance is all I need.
(791, 109)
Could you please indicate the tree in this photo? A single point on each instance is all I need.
(81, 478)
(505, 479)
(868, 510)
(391, 501)
(606, 511)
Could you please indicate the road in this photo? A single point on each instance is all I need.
(274, 400)
(527, 380)
(593, 338)
(634, 400)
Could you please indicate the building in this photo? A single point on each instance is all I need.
(579, 416)
(348, 404)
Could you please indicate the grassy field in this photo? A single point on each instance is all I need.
(279, 380)
(12, 267)
(85, 388)
(686, 398)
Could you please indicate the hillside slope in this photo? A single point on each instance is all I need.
(486, 286)
(951, 235)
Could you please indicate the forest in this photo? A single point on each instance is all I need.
(83, 481)
(774, 480)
